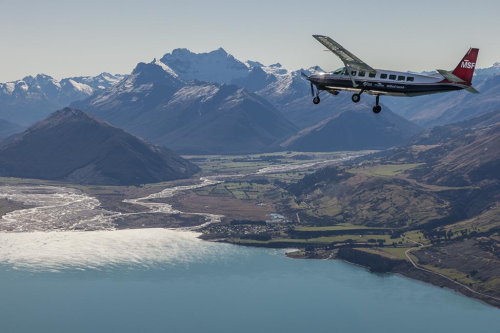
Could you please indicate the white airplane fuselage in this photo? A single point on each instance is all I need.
(383, 82)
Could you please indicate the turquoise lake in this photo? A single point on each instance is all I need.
(156, 280)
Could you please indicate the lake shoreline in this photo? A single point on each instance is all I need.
(376, 264)
(402, 268)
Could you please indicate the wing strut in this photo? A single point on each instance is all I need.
(348, 69)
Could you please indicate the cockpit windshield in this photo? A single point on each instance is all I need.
(339, 71)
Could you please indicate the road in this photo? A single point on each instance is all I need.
(420, 245)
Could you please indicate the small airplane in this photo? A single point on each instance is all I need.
(360, 78)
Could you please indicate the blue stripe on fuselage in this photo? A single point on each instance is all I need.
(401, 87)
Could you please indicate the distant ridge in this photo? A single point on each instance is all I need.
(73, 146)
(8, 128)
(354, 130)
(212, 102)
(33, 98)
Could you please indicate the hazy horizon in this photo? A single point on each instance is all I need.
(68, 38)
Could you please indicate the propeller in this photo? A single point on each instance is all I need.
(315, 69)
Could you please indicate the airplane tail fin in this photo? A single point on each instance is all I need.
(465, 69)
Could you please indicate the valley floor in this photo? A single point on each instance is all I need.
(250, 200)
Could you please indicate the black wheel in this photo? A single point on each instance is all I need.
(356, 98)
(316, 100)
(377, 109)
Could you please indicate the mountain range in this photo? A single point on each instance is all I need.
(75, 147)
(207, 103)
(189, 116)
(32, 98)
(453, 171)
(458, 154)
(372, 132)
(290, 94)
(245, 108)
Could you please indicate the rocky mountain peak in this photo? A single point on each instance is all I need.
(216, 66)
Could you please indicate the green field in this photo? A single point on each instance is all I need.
(386, 170)
(249, 163)
(339, 227)
(332, 240)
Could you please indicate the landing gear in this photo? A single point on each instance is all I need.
(377, 108)
(357, 97)
(316, 98)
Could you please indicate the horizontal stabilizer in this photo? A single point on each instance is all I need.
(472, 90)
(450, 76)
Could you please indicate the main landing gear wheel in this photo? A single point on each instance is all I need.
(377, 108)
(356, 98)
(316, 99)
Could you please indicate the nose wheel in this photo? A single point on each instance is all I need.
(316, 98)
(377, 108)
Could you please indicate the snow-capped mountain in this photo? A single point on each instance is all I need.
(167, 103)
(149, 85)
(155, 103)
(34, 97)
(286, 90)
(290, 93)
(193, 102)
(217, 66)
(484, 73)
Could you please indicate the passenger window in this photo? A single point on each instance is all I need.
(383, 76)
(361, 74)
(372, 74)
(392, 77)
(401, 78)
(353, 73)
(410, 78)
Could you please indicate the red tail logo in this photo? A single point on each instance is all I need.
(465, 69)
(468, 64)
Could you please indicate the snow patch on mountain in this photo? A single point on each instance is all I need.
(8, 88)
(82, 87)
(216, 66)
(202, 93)
(32, 98)
(165, 68)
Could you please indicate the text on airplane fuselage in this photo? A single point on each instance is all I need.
(468, 64)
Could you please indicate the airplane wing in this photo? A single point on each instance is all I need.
(349, 59)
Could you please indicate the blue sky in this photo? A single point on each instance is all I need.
(86, 37)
